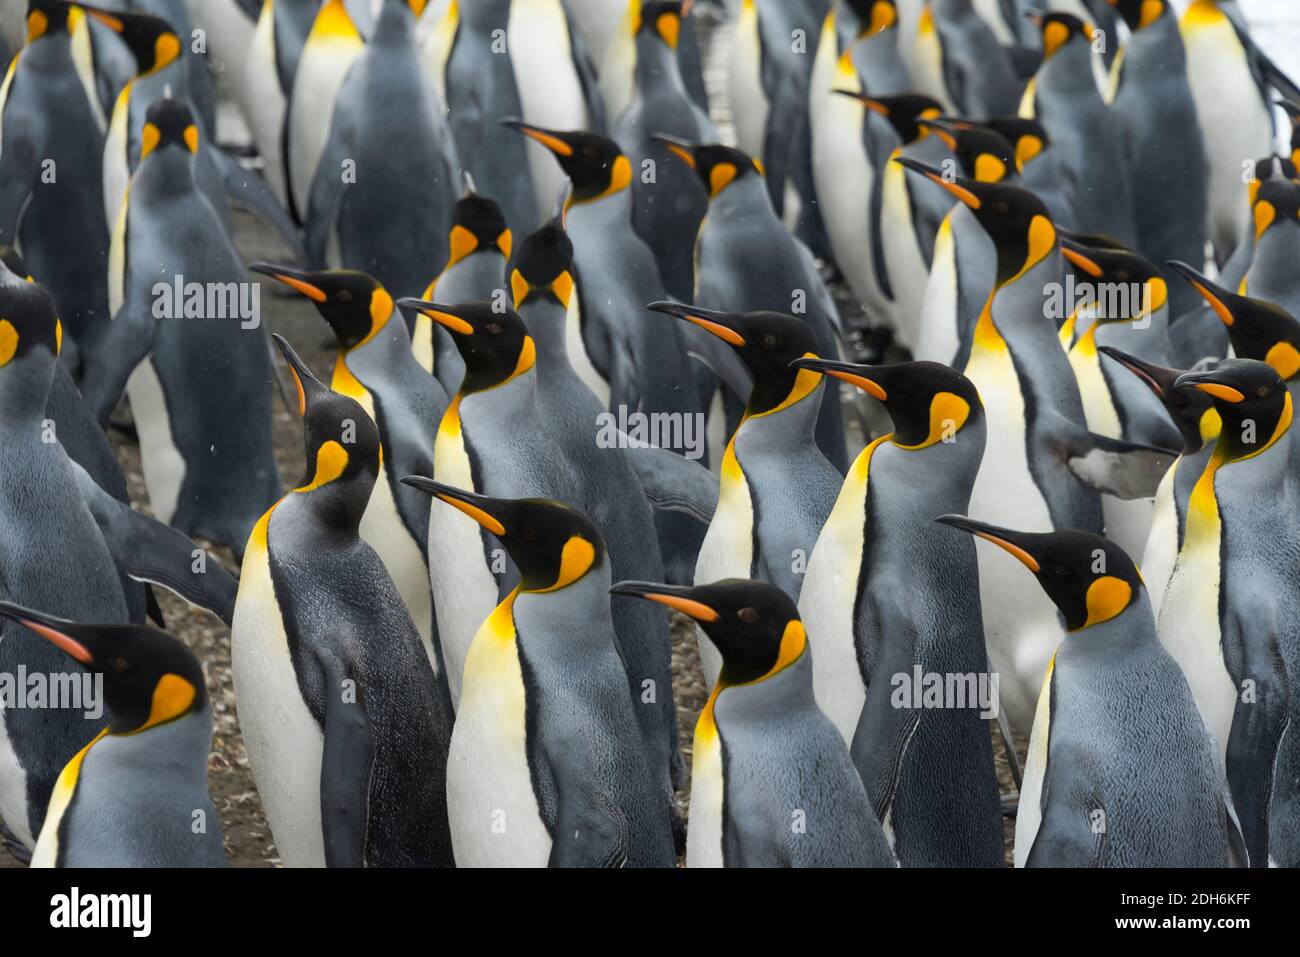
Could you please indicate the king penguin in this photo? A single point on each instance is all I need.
(645, 364)
(1131, 301)
(1085, 134)
(1102, 787)
(772, 783)
(137, 794)
(1196, 418)
(346, 726)
(889, 596)
(51, 155)
(495, 440)
(382, 192)
(748, 262)
(479, 244)
(1042, 467)
(1165, 148)
(766, 524)
(1272, 273)
(199, 384)
(546, 749)
(667, 203)
(1229, 610)
(375, 366)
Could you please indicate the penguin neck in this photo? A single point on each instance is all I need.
(788, 693)
(1158, 47)
(546, 321)
(380, 353)
(335, 508)
(1068, 72)
(745, 196)
(24, 387)
(394, 26)
(1132, 628)
(571, 623)
(610, 211)
(164, 175)
(788, 427)
(656, 64)
(513, 401)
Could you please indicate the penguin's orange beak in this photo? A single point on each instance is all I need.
(551, 139)
(442, 315)
(1003, 538)
(477, 507)
(297, 280)
(957, 185)
(1213, 294)
(54, 630)
(713, 322)
(849, 372)
(670, 596)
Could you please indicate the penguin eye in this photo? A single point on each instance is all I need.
(343, 295)
(769, 341)
(748, 615)
(1059, 570)
(1263, 391)
(529, 534)
(118, 663)
(493, 327)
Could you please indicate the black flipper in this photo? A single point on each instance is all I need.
(674, 483)
(345, 768)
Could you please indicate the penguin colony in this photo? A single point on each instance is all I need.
(1074, 231)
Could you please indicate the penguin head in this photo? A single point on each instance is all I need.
(1016, 220)
(767, 342)
(492, 339)
(1271, 167)
(30, 338)
(477, 224)
(151, 40)
(927, 401)
(1140, 14)
(717, 166)
(1119, 266)
(544, 267)
(355, 304)
(984, 154)
(149, 677)
(47, 18)
(755, 626)
(1059, 30)
(168, 123)
(552, 544)
(594, 164)
(1277, 201)
(661, 19)
(874, 16)
(1029, 137)
(1259, 329)
(342, 446)
(1090, 579)
(904, 111)
(1252, 400)
(1190, 410)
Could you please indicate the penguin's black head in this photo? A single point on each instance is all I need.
(477, 223)
(927, 401)
(904, 111)
(594, 164)
(1089, 578)
(29, 325)
(342, 445)
(149, 677)
(552, 544)
(1259, 329)
(1276, 202)
(1190, 409)
(47, 17)
(984, 154)
(1029, 137)
(1272, 167)
(168, 122)
(1015, 219)
(754, 625)
(717, 166)
(661, 18)
(491, 338)
(1252, 401)
(151, 40)
(1060, 29)
(875, 16)
(544, 267)
(354, 303)
(1140, 14)
(1118, 267)
(767, 342)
